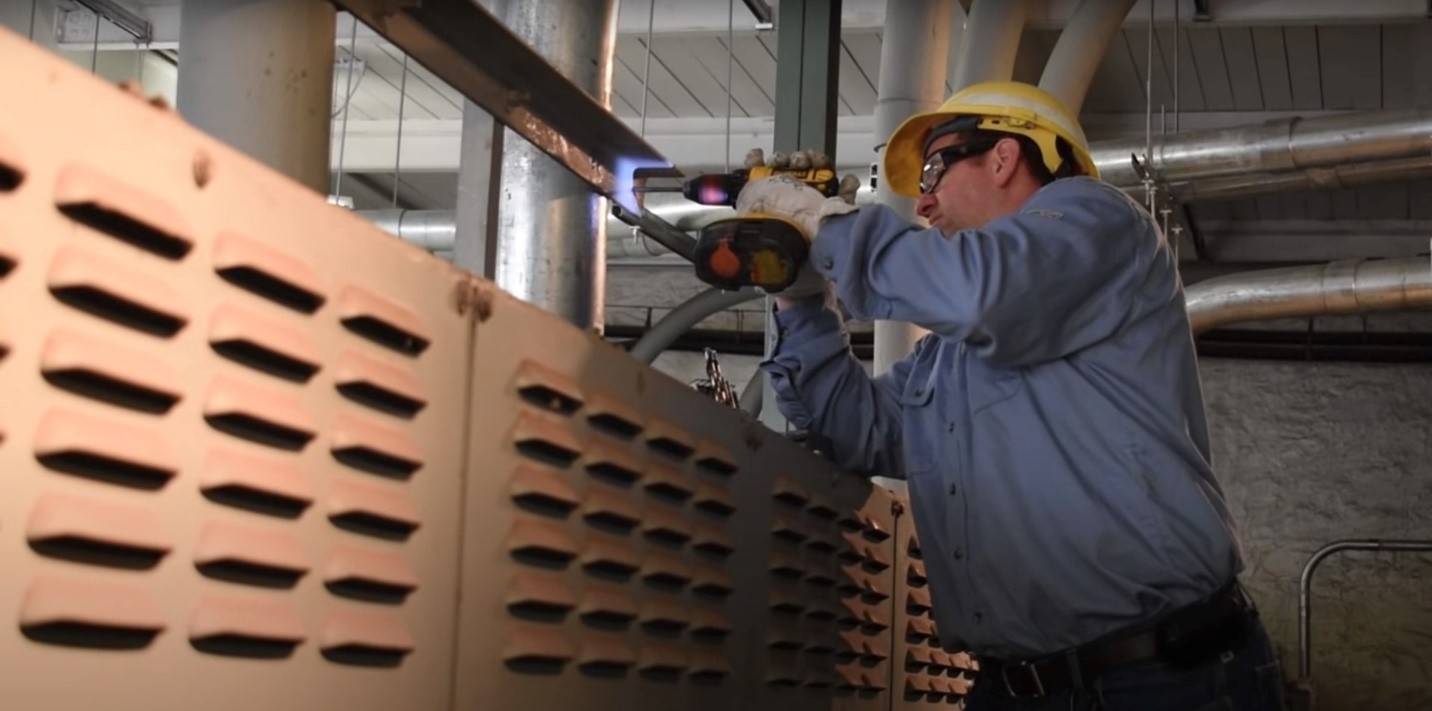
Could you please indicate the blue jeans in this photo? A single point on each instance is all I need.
(1246, 678)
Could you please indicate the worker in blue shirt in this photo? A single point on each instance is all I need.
(1051, 426)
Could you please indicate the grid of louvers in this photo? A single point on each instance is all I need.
(928, 675)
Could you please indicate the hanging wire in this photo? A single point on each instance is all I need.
(1176, 32)
(646, 72)
(94, 52)
(1149, 187)
(34, 9)
(343, 139)
(730, 60)
(398, 159)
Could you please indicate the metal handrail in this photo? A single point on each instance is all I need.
(1305, 583)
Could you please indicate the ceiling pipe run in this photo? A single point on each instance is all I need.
(1347, 287)
(1272, 147)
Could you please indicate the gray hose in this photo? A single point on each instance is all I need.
(684, 317)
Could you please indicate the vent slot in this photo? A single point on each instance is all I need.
(783, 566)
(371, 511)
(109, 291)
(917, 602)
(122, 211)
(7, 263)
(610, 559)
(820, 613)
(821, 544)
(670, 440)
(913, 548)
(258, 414)
(708, 668)
(265, 347)
(606, 658)
(662, 662)
(379, 385)
(103, 371)
(539, 651)
(666, 528)
(543, 491)
(545, 388)
(613, 465)
(261, 431)
(90, 613)
(545, 439)
(790, 493)
(117, 309)
(918, 630)
(666, 572)
(787, 530)
(821, 579)
(265, 272)
(539, 598)
(541, 544)
(610, 512)
(375, 449)
(712, 583)
(369, 575)
(250, 556)
(383, 321)
(96, 533)
(713, 502)
(272, 487)
(612, 417)
(242, 627)
(823, 511)
(605, 607)
(709, 627)
(365, 639)
(668, 484)
(11, 174)
(715, 459)
(104, 450)
(664, 619)
(712, 541)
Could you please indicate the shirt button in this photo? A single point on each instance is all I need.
(959, 552)
(979, 617)
(919, 391)
(829, 263)
(950, 428)
(953, 489)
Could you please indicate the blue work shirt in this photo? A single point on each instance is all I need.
(1051, 426)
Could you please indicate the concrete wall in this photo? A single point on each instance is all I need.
(1309, 453)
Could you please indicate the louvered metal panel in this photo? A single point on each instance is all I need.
(926, 676)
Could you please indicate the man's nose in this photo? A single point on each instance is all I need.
(925, 206)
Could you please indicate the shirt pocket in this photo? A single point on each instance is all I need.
(919, 419)
(988, 386)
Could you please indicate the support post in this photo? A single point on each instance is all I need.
(258, 75)
(807, 75)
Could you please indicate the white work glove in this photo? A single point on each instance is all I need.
(788, 197)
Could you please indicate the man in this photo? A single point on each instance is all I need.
(1051, 426)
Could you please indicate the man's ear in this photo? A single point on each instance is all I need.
(1007, 157)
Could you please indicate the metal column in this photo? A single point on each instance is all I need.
(258, 75)
(479, 177)
(807, 75)
(909, 84)
(551, 232)
(991, 42)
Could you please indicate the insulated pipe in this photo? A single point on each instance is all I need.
(681, 319)
(1333, 177)
(258, 75)
(551, 228)
(1272, 147)
(1305, 585)
(909, 84)
(753, 394)
(1347, 287)
(433, 230)
(1081, 48)
(990, 43)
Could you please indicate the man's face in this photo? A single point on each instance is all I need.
(959, 187)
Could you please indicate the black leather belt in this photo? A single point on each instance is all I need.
(1188, 635)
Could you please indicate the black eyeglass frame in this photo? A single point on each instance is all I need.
(949, 157)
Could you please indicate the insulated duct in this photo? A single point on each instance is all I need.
(1347, 287)
(1272, 147)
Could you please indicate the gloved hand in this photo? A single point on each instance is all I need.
(788, 197)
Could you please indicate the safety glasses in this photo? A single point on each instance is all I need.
(943, 159)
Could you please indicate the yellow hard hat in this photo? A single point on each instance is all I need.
(1006, 106)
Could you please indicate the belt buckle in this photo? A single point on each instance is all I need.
(1033, 675)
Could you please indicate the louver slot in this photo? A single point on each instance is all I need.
(539, 597)
(715, 459)
(713, 501)
(821, 579)
(667, 483)
(610, 558)
(613, 417)
(545, 439)
(917, 602)
(821, 544)
(249, 555)
(820, 611)
(266, 485)
(610, 511)
(918, 629)
(914, 549)
(266, 272)
(788, 492)
(8, 260)
(375, 448)
(787, 529)
(382, 386)
(12, 171)
(108, 372)
(664, 617)
(708, 667)
(537, 650)
(670, 440)
(786, 566)
(612, 463)
(915, 574)
(709, 626)
(662, 662)
(122, 211)
(783, 636)
(246, 627)
(258, 414)
(666, 571)
(361, 638)
(104, 450)
(368, 575)
(547, 389)
(917, 658)
(786, 600)
(542, 491)
(822, 510)
(849, 678)
(712, 541)
(605, 656)
(712, 583)
(541, 544)
(607, 607)
(251, 340)
(97, 533)
(382, 321)
(104, 289)
(666, 528)
(80, 612)
(917, 684)
(784, 677)
(381, 512)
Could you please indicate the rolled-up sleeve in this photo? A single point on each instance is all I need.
(1023, 289)
(821, 387)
